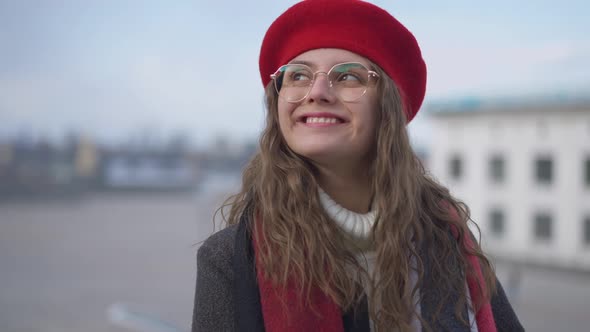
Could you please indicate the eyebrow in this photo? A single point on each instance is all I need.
(301, 62)
(311, 65)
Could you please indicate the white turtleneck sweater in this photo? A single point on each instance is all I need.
(358, 227)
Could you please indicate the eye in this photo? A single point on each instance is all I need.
(348, 77)
(300, 76)
(350, 74)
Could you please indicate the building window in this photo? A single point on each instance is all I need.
(544, 170)
(456, 167)
(497, 168)
(543, 226)
(587, 171)
(497, 222)
(586, 227)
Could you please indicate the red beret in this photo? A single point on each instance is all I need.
(353, 25)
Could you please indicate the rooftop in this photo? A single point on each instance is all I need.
(477, 105)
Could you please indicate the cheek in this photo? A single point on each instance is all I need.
(374, 119)
(284, 114)
(370, 116)
(283, 122)
(374, 113)
(370, 120)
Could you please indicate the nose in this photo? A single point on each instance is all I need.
(320, 90)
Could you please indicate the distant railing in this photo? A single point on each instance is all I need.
(120, 315)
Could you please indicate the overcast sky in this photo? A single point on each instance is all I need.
(112, 67)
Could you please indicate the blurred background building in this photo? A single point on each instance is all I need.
(523, 168)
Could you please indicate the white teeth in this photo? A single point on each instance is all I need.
(320, 120)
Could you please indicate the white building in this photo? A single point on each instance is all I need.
(524, 171)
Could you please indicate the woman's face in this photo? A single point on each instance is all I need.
(324, 128)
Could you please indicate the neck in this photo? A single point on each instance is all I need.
(350, 189)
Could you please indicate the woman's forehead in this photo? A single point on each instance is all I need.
(327, 57)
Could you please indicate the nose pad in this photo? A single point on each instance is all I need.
(321, 89)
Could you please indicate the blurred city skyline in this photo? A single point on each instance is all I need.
(109, 69)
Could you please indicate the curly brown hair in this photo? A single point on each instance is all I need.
(414, 213)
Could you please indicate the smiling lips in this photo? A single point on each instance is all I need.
(321, 120)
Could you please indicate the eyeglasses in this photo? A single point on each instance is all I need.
(349, 81)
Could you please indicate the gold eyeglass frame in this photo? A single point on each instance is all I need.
(275, 75)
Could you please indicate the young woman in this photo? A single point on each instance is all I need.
(337, 226)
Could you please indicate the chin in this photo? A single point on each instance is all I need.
(320, 153)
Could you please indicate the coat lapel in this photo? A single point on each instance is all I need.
(357, 319)
(248, 313)
(431, 296)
